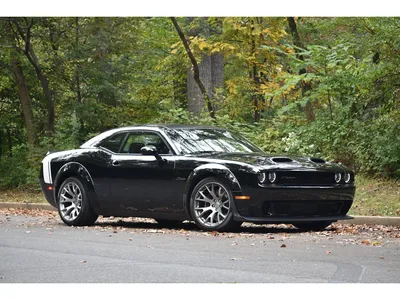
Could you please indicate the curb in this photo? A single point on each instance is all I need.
(373, 220)
(358, 220)
(29, 206)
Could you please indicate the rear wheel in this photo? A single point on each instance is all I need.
(313, 226)
(73, 203)
(211, 206)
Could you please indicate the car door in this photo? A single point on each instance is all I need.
(141, 182)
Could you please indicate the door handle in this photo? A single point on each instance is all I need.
(116, 163)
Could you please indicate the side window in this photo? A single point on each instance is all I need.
(137, 140)
(114, 142)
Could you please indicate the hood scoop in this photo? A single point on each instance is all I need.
(317, 160)
(281, 160)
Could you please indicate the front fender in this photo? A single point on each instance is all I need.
(209, 170)
(78, 170)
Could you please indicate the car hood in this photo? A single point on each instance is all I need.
(269, 161)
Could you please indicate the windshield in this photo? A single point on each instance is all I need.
(200, 140)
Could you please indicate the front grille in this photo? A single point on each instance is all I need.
(304, 208)
(305, 178)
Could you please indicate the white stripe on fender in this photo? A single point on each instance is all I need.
(47, 166)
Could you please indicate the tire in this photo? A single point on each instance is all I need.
(313, 226)
(168, 223)
(211, 206)
(73, 203)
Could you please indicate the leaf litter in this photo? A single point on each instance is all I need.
(367, 235)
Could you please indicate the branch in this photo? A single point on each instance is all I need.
(196, 73)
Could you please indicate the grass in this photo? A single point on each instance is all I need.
(374, 197)
(21, 196)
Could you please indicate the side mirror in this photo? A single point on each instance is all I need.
(152, 150)
(148, 150)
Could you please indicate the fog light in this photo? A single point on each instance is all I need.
(347, 177)
(338, 177)
(272, 177)
(261, 177)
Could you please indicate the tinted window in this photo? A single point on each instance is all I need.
(137, 140)
(201, 140)
(114, 142)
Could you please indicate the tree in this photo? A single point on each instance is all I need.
(206, 68)
(22, 32)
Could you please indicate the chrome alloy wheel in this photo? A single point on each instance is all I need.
(70, 201)
(211, 204)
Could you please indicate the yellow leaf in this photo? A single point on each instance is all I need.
(202, 45)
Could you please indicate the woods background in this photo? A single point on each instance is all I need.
(326, 87)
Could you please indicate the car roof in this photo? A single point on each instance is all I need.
(110, 132)
(179, 126)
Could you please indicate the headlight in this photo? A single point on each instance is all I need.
(272, 177)
(338, 177)
(261, 177)
(347, 177)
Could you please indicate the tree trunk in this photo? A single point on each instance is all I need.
(217, 76)
(305, 86)
(47, 93)
(196, 70)
(31, 55)
(211, 71)
(196, 100)
(25, 99)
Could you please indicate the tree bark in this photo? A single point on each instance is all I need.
(196, 72)
(217, 76)
(31, 55)
(23, 93)
(305, 86)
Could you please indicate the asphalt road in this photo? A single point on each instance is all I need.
(41, 249)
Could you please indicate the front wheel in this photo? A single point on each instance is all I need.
(313, 226)
(73, 203)
(211, 206)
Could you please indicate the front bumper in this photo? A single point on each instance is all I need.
(289, 204)
(48, 193)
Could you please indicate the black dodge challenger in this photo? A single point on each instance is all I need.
(210, 175)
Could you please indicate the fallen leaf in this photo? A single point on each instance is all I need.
(283, 246)
(376, 243)
(381, 257)
(214, 233)
(366, 242)
(83, 261)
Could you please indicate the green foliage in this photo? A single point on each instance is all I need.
(109, 72)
